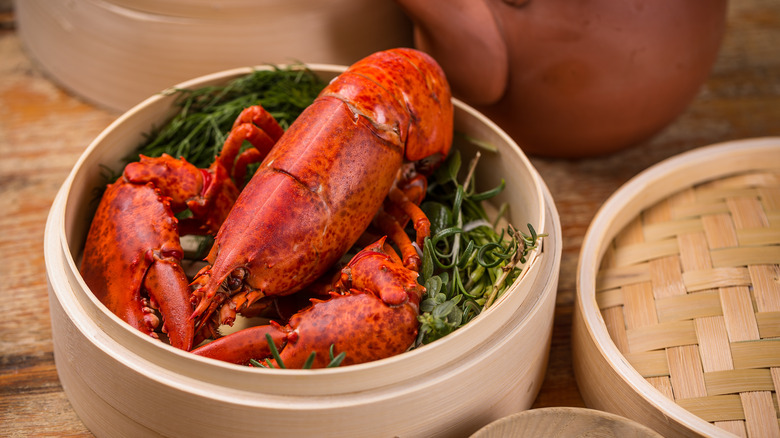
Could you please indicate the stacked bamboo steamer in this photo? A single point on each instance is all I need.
(677, 323)
(115, 53)
(124, 383)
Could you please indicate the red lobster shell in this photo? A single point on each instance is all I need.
(358, 155)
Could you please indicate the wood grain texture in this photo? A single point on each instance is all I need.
(43, 130)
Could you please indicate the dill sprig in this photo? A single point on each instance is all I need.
(468, 262)
(206, 114)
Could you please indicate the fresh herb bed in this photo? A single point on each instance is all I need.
(207, 114)
(468, 262)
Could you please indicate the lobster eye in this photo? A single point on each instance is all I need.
(234, 284)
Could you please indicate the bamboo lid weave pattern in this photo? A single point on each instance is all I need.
(690, 294)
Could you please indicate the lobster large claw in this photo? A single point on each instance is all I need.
(149, 239)
(371, 314)
(132, 256)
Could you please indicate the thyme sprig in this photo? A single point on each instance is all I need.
(468, 262)
(206, 114)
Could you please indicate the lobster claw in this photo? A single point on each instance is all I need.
(371, 314)
(132, 256)
(149, 239)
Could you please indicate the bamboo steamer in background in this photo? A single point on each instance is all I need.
(124, 383)
(115, 53)
(564, 422)
(677, 317)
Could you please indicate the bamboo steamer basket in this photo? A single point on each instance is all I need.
(115, 53)
(123, 383)
(564, 422)
(677, 320)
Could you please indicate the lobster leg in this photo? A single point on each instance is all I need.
(371, 314)
(258, 127)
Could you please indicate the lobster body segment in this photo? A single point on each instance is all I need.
(326, 179)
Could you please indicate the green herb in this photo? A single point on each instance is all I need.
(334, 360)
(467, 264)
(206, 114)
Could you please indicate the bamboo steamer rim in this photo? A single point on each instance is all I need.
(646, 189)
(564, 421)
(114, 416)
(168, 357)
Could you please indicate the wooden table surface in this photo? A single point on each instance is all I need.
(43, 130)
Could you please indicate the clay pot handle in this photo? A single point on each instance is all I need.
(464, 37)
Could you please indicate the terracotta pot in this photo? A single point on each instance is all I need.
(573, 78)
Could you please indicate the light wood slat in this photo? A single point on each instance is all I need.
(736, 381)
(756, 354)
(738, 313)
(709, 195)
(766, 286)
(620, 276)
(770, 198)
(760, 414)
(699, 209)
(643, 252)
(769, 235)
(685, 372)
(716, 277)
(715, 408)
(666, 277)
(768, 324)
(747, 212)
(630, 235)
(694, 251)
(774, 218)
(607, 260)
(649, 363)
(758, 179)
(695, 305)
(720, 231)
(616, 327)
(609, 298)
(663, 385)
(713, 344)
(639, 306)
(671, 228)
(744, 256)
(669, 334)
(734, 427)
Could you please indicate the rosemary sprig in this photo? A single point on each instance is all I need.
(206, 114)
(467, 262)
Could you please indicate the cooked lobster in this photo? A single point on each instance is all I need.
(357, 157)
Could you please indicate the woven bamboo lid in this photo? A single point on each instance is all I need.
(689, 291)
